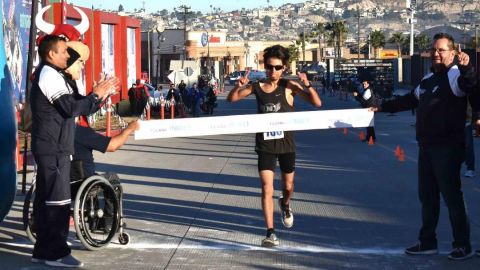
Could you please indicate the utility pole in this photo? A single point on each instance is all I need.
(358, 31)
(149, 54)
(303, 45)
(476, 36)
(412, 6)
(186, 11)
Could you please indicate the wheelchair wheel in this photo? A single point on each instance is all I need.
(124, 238)
(96, 213)
(27, 214)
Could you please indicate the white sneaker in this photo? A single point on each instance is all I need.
(270, 241)
(67, 262)
(35, 260)
(470, 173)
(287, 214)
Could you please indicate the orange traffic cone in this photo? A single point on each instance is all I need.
(401, 156)
(345, 131)
(398, 150)
(362, 136)
(370, 141)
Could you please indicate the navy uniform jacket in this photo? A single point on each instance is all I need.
(54, 106)
(441, 102)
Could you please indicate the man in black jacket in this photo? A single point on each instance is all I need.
(441, 102)
(54, 107)
(366, 99)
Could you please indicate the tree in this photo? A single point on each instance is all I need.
(164, 12)
(377, 39)
(301, 42)
(422, 42)
(337, 33)
(120, 8)
(294, 52)
(320, 32)
(399, 39)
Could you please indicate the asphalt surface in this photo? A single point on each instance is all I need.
(194, 203)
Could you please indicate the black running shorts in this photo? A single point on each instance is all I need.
(268, 161)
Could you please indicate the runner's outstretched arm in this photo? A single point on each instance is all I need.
(241, 90)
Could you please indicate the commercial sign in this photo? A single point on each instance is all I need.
(388, 54)
(205, 38)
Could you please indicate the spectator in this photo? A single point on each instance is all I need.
(54, 105)
(141, 97)
(366, 99)
(131, 98)
(441, 103)
(196, 98)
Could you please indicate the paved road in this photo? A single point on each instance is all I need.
(193, 203)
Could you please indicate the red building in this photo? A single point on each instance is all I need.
(121, 53)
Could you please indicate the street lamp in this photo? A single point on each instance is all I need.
(159, 27)
(160, 39)
(148, 53)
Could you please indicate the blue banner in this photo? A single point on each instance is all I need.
(14, 39)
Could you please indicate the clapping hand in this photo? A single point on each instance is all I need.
(106, 86)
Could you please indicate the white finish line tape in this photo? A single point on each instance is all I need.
(253, 123)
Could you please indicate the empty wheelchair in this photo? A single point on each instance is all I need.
(96, 210)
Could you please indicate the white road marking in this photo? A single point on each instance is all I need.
(245, 247)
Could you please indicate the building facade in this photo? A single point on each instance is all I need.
(114, 43)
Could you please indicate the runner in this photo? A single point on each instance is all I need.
(275, 94)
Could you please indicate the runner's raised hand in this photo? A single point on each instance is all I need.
(303, 78)
(244, 79)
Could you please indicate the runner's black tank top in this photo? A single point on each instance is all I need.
(276, 101)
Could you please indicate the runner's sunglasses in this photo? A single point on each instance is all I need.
(271, 67)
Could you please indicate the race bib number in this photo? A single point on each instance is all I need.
(273, 135)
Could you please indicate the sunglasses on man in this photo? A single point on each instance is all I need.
(271, 67)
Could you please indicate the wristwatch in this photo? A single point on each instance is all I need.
(308, 86)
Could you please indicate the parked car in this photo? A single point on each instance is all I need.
(315, 69)
(254, 75)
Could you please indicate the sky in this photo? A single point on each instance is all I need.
(196, 5)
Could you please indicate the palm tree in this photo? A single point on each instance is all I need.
(320, 31)
(338, 32)
(377, 39)
(300, 42)
(399, 39)
(294, 52)
(422, 41)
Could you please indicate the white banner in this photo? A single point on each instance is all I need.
(253, 123)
